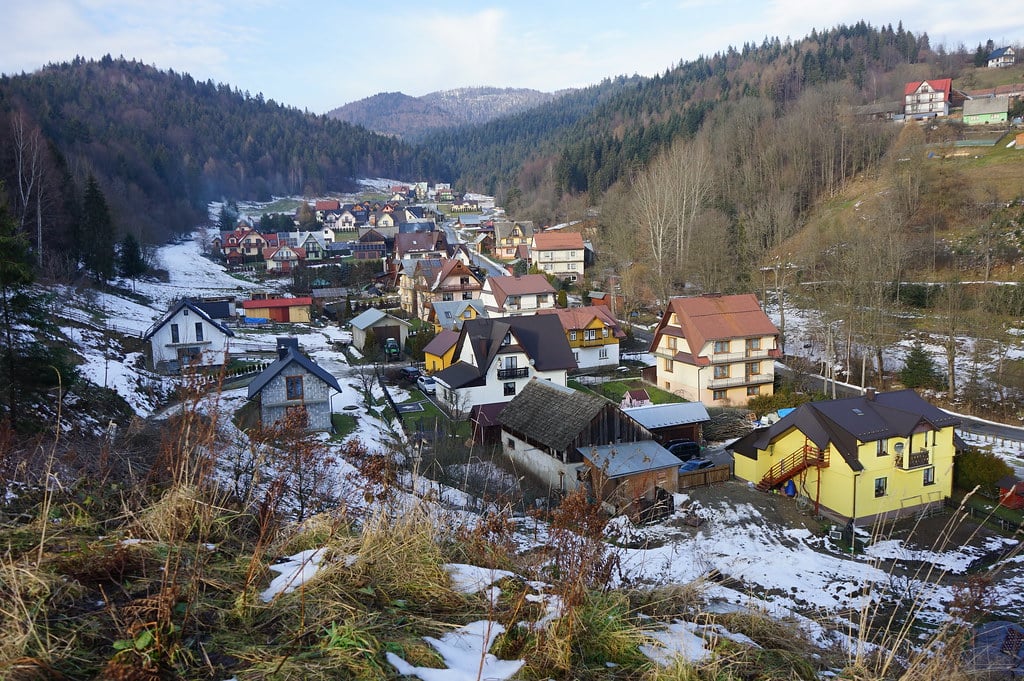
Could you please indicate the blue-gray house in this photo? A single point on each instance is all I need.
(294, 382)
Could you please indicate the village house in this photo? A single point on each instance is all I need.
(512, 239)
(187, 336)
(283, 310)
(294, 384)
(715, 349)
(454, 280)
(451, 314)
(856, 459)
(593, 335)
(283, 259)
(413, 245)
(986, 110)
(558, 253)
(243, 244)
(570, 439)
(517, 296)
(371, 245)
(1002, 57)
(495, 358)
(439, 353)
(925, 98)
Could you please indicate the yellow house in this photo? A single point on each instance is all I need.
(593, 334)
(439, 352)
(860, 458)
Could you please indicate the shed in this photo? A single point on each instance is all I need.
(285, 310)
(673, 421)
(634, 478)
(294, 382)
(382, 324)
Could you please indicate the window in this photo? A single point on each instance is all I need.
(753, 368)
(446, 297)
(576, 356)
(668, 365)
(753, 344)
(199, 331)
(718, 395)
(467, 295)
(722, 371)
(672, 343)
(510, 362)
(753, 390)
(542, 299)
(463, 281)
(602, 353)
(468, 314)
(882, 448)
(572, 335)
(511, 443)
(293, 387)
(604, 332)
(880, 485)
(590, 334)
(175, 334)
(572, 254)
(929, 476)
(572, 266)
(510, 388)
(721, 346)
(507, 340)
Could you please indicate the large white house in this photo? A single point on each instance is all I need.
(495, 358)
(517, 296)
(558, 253)
(187, 336)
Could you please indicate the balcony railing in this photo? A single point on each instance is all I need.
(918, 459)
(753, 379)
(513, 373)
(728, 357)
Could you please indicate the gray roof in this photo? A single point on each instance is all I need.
(292, 356)
(503, 229)
(666, 415)
(365, 320)
(186, 303)
(843, 423)
(449, 312)
(986, 105)
(629, 458)
(553, 415)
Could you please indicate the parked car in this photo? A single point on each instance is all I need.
(410, 373)
(696, 465)
(684, 450)
(426, 384)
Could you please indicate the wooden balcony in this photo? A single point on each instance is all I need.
(909, 462)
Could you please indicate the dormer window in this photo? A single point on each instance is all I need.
(507, 340)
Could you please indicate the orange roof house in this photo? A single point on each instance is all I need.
(558, 253)
(716, 349)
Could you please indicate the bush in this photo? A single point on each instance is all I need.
(978, 468)
(766, 404)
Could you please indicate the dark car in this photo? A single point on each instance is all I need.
(410, 374)
(696, 465)
(684, 450)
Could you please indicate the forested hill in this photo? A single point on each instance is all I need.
(586, 142)
(162, 144)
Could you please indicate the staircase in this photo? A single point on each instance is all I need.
(802, 459)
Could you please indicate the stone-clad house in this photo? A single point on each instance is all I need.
(294, 382)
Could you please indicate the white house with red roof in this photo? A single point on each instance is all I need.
(517, 296)
(926, 98)
(558, 253)
(716, 349)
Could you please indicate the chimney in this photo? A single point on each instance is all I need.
(285, 344)
(869, 393)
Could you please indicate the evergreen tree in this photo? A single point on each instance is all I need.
(130, 262)
(919, 371)
(228, 219)
(97, 232)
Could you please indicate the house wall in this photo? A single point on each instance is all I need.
(734, 380)
(589, 358)
(985, 119)
(211, 349)
(434, 363)
(494, 390)
(550, 471)
(567, 264)
(316, 398)
(851, 494)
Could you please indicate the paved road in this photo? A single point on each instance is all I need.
(492, 269)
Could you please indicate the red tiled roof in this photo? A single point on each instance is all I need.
(276, 302)
(580, 317)
(939, 84)
(328, 204)
(558, 241)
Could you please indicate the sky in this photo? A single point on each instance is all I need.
(321, 54)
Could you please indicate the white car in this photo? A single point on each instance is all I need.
(426, 384)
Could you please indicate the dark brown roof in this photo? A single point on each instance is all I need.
(552, 415)
(442, 343)
(843, 423)
(527, 284)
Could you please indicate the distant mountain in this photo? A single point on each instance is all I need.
(398, 114)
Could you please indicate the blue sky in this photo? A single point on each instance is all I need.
(317, 55)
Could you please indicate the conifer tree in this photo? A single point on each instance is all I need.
(130, 262)
(97, 232)
(919, 370)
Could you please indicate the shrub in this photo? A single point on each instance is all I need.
(975, 467)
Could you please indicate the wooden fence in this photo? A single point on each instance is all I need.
(702, 478)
